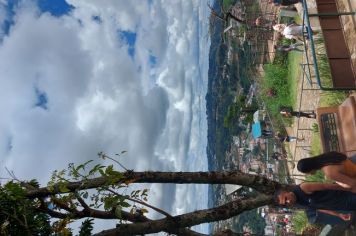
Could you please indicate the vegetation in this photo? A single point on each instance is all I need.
(18, 214)
(253, 220)
(301, 225)
(316, 148)
(228, 3)
(94, 191)
(317, 177)
(282, 82)
(300, 221)
(323, 64)
(235, 110)
(334, 98)
(328, 98)
(294, 73)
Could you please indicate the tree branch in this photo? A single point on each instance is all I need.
(126, 216)
(142, 203)
(228, 232)
(53, 213)
(190, 219)
(259, 183)
(82, 202)
(64, 206)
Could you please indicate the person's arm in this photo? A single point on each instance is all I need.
(345, 217)
(293, 24)
(341, 179)
(309, 188)
(289, 36)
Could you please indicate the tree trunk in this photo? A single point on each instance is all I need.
(259, 183)
(171, 224)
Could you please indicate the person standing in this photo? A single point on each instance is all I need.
(323, 197)
(334, 165)
(288, 112)
(288, 48)
(292, 31)
(286, 138)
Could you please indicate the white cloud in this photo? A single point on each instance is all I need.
(100, 98)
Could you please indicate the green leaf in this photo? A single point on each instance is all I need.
(144, 192)
(109, 203)
(118, 212)
(63, 187)
(109, 169)
(85, 195)
(95, 169)
(86, 227)
(144, 210)
(101, 171)
(125, 204)
(82, 166)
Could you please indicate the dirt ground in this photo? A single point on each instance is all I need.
(308, 95)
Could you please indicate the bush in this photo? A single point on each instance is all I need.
(332, 98)
(276, 79)
(317, 177)
(300, 221)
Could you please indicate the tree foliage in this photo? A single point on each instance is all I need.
(19, 215)
(95, 191)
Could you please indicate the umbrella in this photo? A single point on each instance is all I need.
(256, 130)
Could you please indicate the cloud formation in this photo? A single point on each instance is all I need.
(97, 96)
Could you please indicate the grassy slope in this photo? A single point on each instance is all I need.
(294, 73)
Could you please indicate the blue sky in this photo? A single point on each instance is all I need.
(130, 39)
(84, 76)
(55, 7)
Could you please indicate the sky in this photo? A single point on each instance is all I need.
(83, 76)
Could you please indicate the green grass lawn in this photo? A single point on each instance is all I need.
(316, 148)
(294, 74)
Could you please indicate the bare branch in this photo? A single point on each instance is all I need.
(142, 203)
(82, 202)
(116, 161)
(64, 206)
(53, 213)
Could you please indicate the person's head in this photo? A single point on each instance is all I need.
(279, 27)
(285, 198)
(284, 113)
(284, 108)
(258, 21)
(311, 164)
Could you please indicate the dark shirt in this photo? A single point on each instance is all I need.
(284, 48)
(283, 138)
(316, 217)
(326, 199)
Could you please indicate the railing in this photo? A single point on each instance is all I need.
(306, 22)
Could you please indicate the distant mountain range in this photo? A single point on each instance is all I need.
(225, 78)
